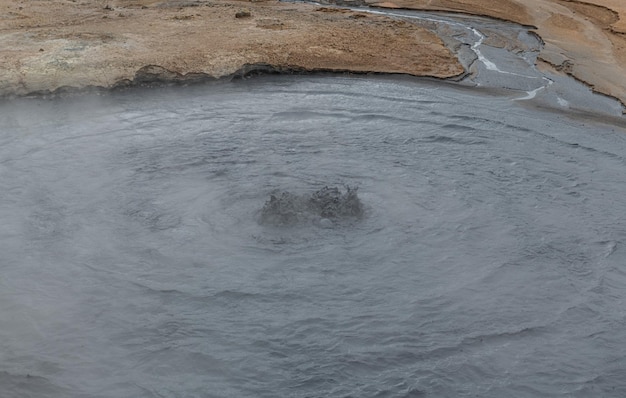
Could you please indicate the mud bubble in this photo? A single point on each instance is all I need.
(324, 207)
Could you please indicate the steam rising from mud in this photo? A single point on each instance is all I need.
(143, 255)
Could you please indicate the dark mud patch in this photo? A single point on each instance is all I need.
(325, 207)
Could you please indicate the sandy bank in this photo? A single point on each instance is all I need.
(51, 44)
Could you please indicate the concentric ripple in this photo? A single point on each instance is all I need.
(488, 259)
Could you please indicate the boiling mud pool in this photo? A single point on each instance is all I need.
(489, 261)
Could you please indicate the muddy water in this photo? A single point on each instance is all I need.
(488, 261)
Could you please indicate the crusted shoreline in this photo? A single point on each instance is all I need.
(155, 76)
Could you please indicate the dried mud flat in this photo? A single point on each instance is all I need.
(52, 45)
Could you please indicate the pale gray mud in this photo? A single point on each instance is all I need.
(501, 56)
(487, 260)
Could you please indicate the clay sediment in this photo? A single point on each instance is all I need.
(583, 38)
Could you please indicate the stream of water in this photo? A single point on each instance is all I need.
(489, 259)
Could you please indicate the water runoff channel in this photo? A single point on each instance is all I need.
(317, 236)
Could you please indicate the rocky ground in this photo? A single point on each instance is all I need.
(50, 45)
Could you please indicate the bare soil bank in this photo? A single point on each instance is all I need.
(52, 44)
(47, 45)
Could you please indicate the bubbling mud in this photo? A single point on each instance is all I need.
(143, 255)
(324, 207)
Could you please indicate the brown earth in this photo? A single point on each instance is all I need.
(50, 44)
(585, 39)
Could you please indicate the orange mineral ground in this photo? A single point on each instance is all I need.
(48, 45)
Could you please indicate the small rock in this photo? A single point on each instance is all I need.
(243, 14)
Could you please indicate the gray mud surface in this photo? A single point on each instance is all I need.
(195, 241)
(489, 260)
